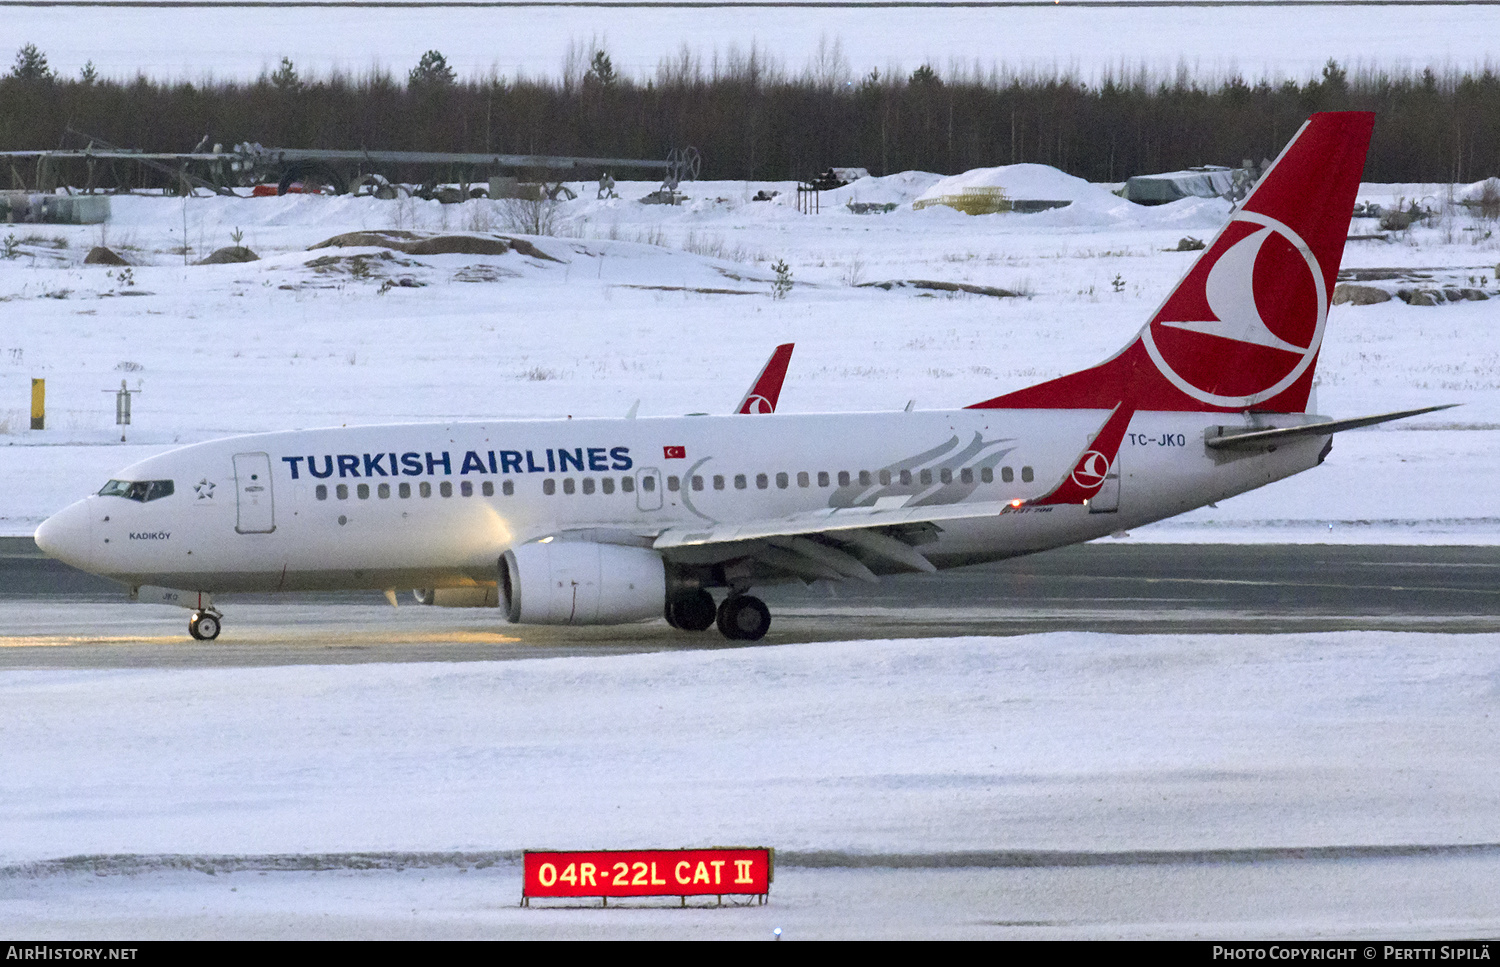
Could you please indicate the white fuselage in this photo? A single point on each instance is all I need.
(435, 505)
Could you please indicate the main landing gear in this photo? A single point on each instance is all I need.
(740, 618)
(691, 611)
(205, 625)
(743, 617)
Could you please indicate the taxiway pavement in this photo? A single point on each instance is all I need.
(53, 616)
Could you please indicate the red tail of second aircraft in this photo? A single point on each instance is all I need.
(1242, 330)
(766, 390)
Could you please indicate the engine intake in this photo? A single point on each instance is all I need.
(580, 583)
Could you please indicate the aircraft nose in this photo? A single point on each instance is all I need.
(65, 535)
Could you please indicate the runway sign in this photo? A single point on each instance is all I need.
(652, 872)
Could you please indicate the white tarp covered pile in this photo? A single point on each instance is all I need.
(1211, 181)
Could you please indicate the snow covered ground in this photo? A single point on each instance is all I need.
(672, 306)
(1270, 41)
(912, 750)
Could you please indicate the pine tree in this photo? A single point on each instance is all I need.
(432, 71)
(925, 76)
(89, 74)
(601, 71)
(31, 65)
(286, 77)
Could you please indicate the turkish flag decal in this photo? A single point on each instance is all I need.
(674, 453)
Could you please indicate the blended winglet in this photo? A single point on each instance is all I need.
(1092, 469)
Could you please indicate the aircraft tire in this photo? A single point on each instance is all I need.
(743, 617)
(203, 626)
(691, 611)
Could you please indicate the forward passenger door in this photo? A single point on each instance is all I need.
(253, 498)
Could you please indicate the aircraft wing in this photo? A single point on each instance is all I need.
(836, 542)
(827, 521)
(831, 544)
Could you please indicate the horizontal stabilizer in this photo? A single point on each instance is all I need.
(1236, 438)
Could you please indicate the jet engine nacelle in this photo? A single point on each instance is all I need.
(478, 597)
(579, 583)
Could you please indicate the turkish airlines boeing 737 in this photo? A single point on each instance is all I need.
(604, 521)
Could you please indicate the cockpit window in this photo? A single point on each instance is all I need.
(143, 490)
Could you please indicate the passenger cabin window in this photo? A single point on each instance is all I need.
(739, 481)
(926, 477)
(718, 482)
(762, 481)
(588, 485)
(466, 488)
(822, 478)
(673, 484)
(488, 488)
(885, 478)
(321, 491)
(864, 478)
(404, 491)
(1006, 474)
(383, 491)
(424, 488)
(144, 491)
(966, 475)
(648, 484)
(627, 485)
(906, 477)
(986, 475)
(508, 488)
(1026, 474)
(568, 485)
(343, 491)
(802, 479)
(445, 488)
(697, 483)
(363, 490)
(608, 485)
(843, 478)
(946, 476)
(549, 486)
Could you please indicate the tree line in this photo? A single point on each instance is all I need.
(755, 124)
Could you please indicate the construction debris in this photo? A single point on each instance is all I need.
(30, 208)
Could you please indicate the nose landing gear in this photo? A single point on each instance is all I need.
(205, 625)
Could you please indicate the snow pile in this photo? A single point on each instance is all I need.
(1091, 205)
(1486, 190)
(901, 189)
(1026, 181)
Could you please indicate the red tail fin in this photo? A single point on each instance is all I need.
(1243, 328)
(766, 390)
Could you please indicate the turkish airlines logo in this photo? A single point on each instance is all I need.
(1247, 321)
(757, 404)
(1092, 468)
